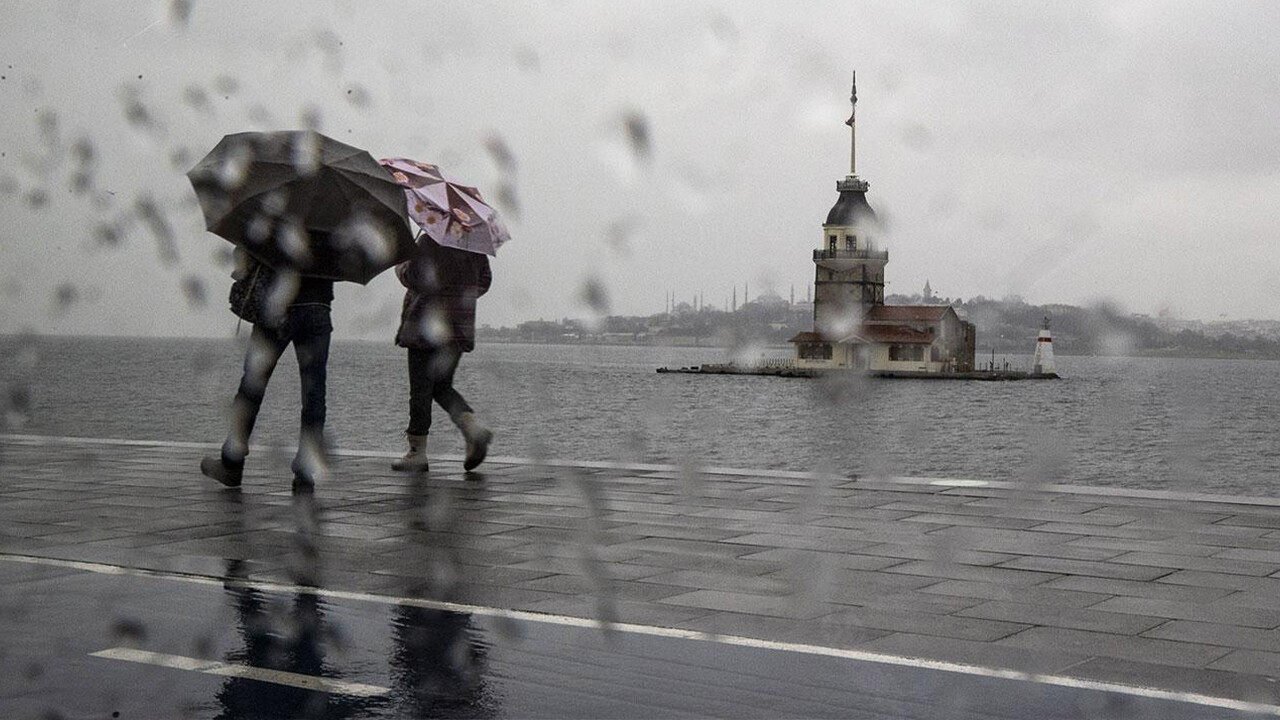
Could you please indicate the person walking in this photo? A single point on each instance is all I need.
(438, 325)
(304, 321)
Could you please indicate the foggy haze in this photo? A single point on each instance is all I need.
(1122, 151)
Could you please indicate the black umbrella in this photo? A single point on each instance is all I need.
(300, 201)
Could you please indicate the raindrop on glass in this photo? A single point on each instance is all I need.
(65, 296)
(358, 97)
(638, 134)
(193, 290)
(150, 214)
(135, 110)
(129, 631)
(38, 198)
(197, 99)
(501, 153)
(180, 11)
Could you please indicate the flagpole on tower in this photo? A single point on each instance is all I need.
(853, 133)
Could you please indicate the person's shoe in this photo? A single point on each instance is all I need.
(478, 439)
(415, 460)
(228, 474)
(305, 474)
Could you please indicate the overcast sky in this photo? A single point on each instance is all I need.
(1064, 152)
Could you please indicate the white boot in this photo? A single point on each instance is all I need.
(416, 459)
(477, 437)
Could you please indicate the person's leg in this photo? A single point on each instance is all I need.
(420, 392)
(265, 347)
(476, 435)
(313, 332)
(442, 366)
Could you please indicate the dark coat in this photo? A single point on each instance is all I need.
(442, 284)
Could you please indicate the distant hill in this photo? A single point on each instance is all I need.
(1007, 326)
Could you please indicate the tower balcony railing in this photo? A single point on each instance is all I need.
(851, 255)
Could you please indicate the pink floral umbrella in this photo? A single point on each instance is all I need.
(452, 214)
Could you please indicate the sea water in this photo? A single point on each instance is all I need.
(1177, 424)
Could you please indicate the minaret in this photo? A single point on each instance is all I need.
(850, 267)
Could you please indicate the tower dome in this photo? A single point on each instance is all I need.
(851, 208)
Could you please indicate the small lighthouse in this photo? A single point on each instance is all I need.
(1042, 362)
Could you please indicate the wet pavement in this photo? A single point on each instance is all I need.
(133, 587)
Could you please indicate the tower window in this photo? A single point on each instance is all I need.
(833, 240)
(851, 242)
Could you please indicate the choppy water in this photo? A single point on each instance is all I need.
(1201, 425)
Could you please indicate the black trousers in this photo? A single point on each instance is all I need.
(308, 328)
(431, 379)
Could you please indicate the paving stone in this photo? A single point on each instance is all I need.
(817, 631)
(926, 624)
(815, 558)
(770, 605)
(981, 521)
(1250, 554)
(1086, 567)
(1172, 547)
(1128, 647)
(1186, 562)
(934, 552)
(1271, 521)
(1119, 531)
(914, 601)
(1034, 595)
(954, 571)
(1063, 617)
(970, 536)
(1228, 636)
(1222, 611)
(880, 581)
(806, 542)
(1252, 662)
(754, 584)
(1211, 682)
(667, 531)
(571, 566)
(970, 652)
(1246, 599)
(594, 607)
(1202, 578)
(1137, 588)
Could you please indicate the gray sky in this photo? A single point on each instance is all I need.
(1065, 152)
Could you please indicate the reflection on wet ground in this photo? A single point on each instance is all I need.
(268, 654)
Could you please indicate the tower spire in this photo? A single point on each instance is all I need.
(853, 133)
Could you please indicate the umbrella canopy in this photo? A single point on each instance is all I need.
(301, 201)
(452, 214)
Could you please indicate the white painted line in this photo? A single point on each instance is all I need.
(249, 672)
(676, 633)
(960, 483)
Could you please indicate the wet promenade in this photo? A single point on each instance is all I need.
(1147, 596)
